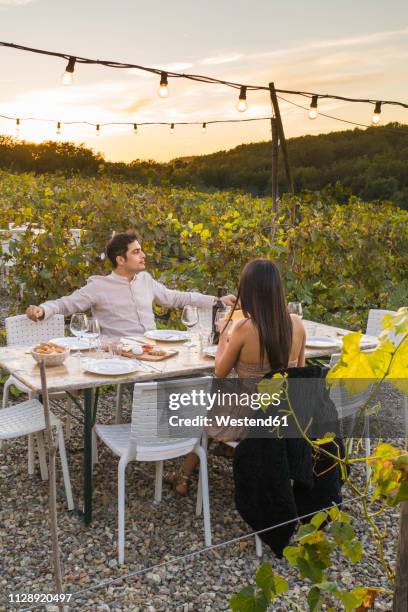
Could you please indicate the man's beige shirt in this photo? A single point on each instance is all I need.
(124, 308)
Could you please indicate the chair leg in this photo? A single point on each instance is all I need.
(199, 503)
(258, 546)
(41, 455)
(119, 397)
(64, 466)
(6, 388)
(199, 450)
(30, 454)
(68, 419)
(121, 509)
(158, 482)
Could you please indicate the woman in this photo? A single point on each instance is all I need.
(267, 338)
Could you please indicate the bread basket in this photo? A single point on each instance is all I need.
(52, 359)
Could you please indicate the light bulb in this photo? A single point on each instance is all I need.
(163, 89)
(68, 75)
(377, 114)
(58, 128)
(135, 129)
(242, 104)
(204, 128)
(98, 129)
(18, 126)
(313, 112)
(172, 128)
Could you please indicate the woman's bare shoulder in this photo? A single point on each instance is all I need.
(298, 325)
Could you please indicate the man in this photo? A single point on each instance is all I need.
(122, 301)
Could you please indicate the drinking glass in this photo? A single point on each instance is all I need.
(295, 308)
(189, 316)
(93, 332)
(78, 327)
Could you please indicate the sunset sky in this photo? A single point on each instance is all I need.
(350, 48)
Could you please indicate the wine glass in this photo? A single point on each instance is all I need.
(93, 332)
(189, 318)
(78, 327)
(295, 308)
(221, 318)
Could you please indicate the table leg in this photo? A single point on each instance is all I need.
(88, 422)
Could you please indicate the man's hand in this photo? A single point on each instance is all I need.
(229, 300)
(35, 313)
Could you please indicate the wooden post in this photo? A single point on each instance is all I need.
(52, 505)
(275, 144)
(281, 133)
(400, 602)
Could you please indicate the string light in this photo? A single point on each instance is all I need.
(98, 129)
(204, 128)
(68, 75)
(242, 104)
(313, 112)
(192, 77)
(59, 128)
(18, 126)
(135, 129)
(172, 128)
(163, 89)
(377, 114)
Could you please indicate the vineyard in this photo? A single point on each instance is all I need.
(338, 259)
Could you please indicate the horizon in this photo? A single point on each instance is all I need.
(353, 57)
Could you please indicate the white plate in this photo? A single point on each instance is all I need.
(167, 335)
(76, 344)
(110, 367)
(210, 350)
(322, 342)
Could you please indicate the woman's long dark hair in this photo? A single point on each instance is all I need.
(262, 298)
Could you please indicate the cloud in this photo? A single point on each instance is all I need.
(15, 2)
(221, 59)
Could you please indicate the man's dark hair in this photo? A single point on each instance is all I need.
(118, 245)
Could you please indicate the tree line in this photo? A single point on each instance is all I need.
(371, 164)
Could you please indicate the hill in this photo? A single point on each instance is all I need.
(371, 163)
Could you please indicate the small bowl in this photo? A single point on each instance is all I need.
(54, 359)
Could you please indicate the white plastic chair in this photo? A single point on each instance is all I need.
(375, 321)
(232, 444)
(21, 331)
(348, 406)
(141, 441)
(27, 419)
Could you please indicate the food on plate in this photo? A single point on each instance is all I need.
(155, 352)
(147, 347)
(49, 348)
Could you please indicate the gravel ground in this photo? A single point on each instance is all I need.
(154, 534)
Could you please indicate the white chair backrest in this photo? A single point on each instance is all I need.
(346, 404)
(375, 323)
(21, 331)
(150, 403)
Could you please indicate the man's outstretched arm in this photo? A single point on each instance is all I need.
(79, 301)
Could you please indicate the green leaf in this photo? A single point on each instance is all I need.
(351, 599)
(264, 579)
(310, 570)
(280, 585)
(318, 519)
(314, 599)
(292, 554)
(341, 532)
(353, 550)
